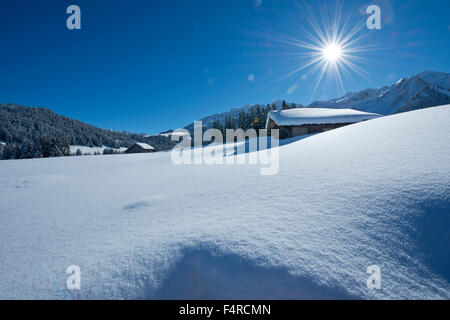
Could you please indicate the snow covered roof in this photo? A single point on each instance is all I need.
(303, 116)
(145, 146)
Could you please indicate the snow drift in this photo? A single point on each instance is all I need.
(372, 193)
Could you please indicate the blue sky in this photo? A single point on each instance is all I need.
(148, 66)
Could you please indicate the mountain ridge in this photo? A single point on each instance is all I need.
(423, 90)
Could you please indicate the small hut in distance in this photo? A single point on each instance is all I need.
(140, 147)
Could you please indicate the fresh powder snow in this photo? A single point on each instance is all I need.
(138, 226)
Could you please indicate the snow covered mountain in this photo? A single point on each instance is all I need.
(441, 79)
(423, 90)
(139, 226)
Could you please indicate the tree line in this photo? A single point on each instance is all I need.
(254, 118)
(44, 147)
(32, 132)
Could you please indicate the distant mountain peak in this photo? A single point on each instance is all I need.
(426, 89)
(399, 82)
(423, 90)
(441, 79)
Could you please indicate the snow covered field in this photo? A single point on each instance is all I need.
(92, 150)
(373, 193)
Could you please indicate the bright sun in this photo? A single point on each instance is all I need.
(332, 52)
(331, 49)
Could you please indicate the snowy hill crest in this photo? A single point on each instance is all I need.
(139, 227)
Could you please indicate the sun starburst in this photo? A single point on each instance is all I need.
(332, 52)
(330, 49)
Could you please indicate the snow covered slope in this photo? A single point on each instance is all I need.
(372, 193)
